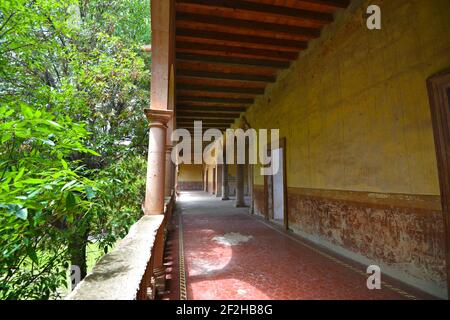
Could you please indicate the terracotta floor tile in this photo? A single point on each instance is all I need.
(230, 254)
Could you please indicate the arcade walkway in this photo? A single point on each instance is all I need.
(230, 254)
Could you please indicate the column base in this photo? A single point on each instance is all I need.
(160, 279)
(150, 294)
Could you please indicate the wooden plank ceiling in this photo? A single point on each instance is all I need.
(228, 51)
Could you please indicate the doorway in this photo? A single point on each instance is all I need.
(439, 93)
(276, 188)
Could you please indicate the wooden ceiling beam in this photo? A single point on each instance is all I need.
(219, 82)
(316, 4)
(209, 109)
(237, 44)
(283, 44)
(204, 126)
(215, 100)
(229, 68)
(231, 60)
(238, 30)
(259, 10)
(236, 50)
(211, 104)
(206, 120)
(225, 76)
(207, 125)
(241, 25)
(187, 93)
(227, 51)
(206, 88)
(206, 115)
(240, 53)
(191, 128)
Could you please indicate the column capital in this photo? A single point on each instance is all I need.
(158, 117)
(146, 48)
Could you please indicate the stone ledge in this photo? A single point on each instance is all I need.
(118, 274)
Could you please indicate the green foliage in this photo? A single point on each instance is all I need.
(73, 84)
(129, 20)
(123, 188)
(40, 198)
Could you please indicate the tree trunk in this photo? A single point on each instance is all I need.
(77, 251)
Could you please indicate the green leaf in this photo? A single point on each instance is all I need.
(32, 254)
(5, 114)
(33, 181)
(93, 152)
(33, 194)
(68, 185)
(24, 134)
(55, 124)
(48, 142)
(90, 193)
(26, 111)
(6, 137)
(20, 174)
(70, 201)
(22, 213)
(64, 164)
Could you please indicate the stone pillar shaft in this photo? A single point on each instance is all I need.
(219, 179)
(169, 181)
(225, 188)
(240, 202)
(156, 166)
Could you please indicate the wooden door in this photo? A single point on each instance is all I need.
(439, 93)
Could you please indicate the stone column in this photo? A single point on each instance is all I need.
(225, 188)
(168, 183)
(156, 166)
(175, 179)
(154, 193)
(219, 180)
(162, 107)
(250, 183)
(240, 202)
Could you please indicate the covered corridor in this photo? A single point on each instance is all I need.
(230, 254)
(361, 118)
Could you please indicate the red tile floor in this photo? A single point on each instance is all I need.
(230, 254)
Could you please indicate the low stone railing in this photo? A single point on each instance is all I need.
(134, 269)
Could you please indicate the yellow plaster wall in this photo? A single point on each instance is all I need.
(232, 170)
(190, 173)
(354, 106)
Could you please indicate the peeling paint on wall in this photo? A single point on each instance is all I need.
(355, 113)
